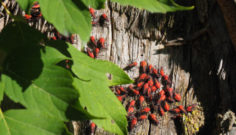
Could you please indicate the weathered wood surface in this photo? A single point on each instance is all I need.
(202, 65)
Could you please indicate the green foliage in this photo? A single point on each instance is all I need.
(1, 91)
(97, 4)
(30, 122)
(72, 16)
(161, 6)
(105, 104)
(33, 74)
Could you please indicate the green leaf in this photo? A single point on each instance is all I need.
(23, 35)
(161, 6)
(32, 77)
(95, 95)
(30, 122)
(1, 91)
(97, 4)
(88, 69)
(67, 16)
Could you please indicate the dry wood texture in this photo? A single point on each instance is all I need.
(193, 47)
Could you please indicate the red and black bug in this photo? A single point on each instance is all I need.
(153, 118)
(141, 99)
(130, 110)
(150, 69)
(166, 106)
(96, 52)
(175, 110)
(142, 117)
(162, 72)
(133, 123)
(150, 82)
(92, 127)
(161, 111)
(90, 53)
(157, 84)
(132, 103)
(93, 41)
(177, 97)
(145, 110)
(162, 98)
(101, 42)
(145, 88)
(181, 108)
(143, 66)
(142, 77)
(133, 64)
(92, 12)
(134, 91)
(27, 17)
(120, 98)
(191, 107)
(155, 72)
(103, 19)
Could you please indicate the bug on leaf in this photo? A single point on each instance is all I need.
(131, 66)
(153, 118)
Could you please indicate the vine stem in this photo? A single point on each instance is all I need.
(5, 7)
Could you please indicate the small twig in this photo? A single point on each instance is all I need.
(5, 7)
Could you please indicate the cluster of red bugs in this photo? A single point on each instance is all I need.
(148, 97)
(35, 13)
(102, 20)
(95, 46)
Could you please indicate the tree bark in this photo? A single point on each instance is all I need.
(193, 47)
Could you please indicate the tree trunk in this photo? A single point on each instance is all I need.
(193, 47)
(196, 51)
